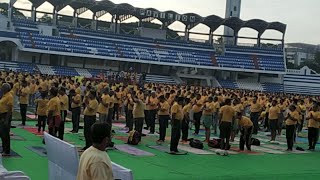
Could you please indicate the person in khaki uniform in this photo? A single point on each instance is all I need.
(291, 122)
(95, 163)
(54, 110)
(24, 101)
(138, 114)
(313, 118)
(227, 116)
(6, 106)
(75, 99)
(176, 119)
(89, 117)
(64, 101)
(42, 108)
(164, 117)
(274, 113)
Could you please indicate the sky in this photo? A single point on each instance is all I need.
(300, 16)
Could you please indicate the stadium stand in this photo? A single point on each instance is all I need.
(228, 84)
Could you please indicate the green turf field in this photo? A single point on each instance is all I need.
(165, 166)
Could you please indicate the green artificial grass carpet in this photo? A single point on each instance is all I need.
(166, 166)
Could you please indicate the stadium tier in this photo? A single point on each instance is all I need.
(135, 48)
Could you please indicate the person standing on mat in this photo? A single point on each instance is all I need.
(238, 107)
(313, 118)
(138, 114)
(207, 115)
(283, 107)
(89, 117)
(227, 116)
(274, 113)
(164, 117)
(176, 118)
(64, 101)
(6, 106)
(153, 108)
(95, 163)
(246, 127)
(291, 122)
(42, 106)
(111, 106)
(24, 101)
(197, 113)
(255, 109)
(54, 110)
(117, 102)
(103, 108)
(186, 119)
(129, 104)
(215, 114)
(75, 109)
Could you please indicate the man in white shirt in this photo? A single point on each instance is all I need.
(95, 163)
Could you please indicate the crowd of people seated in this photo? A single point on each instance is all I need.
(230, 111)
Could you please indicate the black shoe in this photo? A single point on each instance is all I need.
(146, 128)
(113, 131)
(151, 133)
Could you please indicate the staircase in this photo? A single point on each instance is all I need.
(249, 84)
(83, 72)
(44, 69)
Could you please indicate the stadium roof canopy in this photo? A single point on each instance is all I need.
(166, 17)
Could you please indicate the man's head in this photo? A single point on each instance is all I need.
(153, 94)
(53, 92)
(228, 102)
(180, 100)
(92, 95)
(162, 99)
(274, 102)
(101, 135)
(239, 115)
(62, 91)
(5, 88)
(106, 91)
(292, 108)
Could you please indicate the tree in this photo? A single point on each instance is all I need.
(4, 10)
(313, 64)
(291, 65)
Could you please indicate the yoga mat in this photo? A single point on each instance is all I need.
(237, 150)
(33, 131)
(231, 152)
(121, 138)
(17, 137)
(13, 154)
(41, 151)
(266, 150)
(194, 150)
(237, 141)
(120, 125)
(31, 116)
(177, 153)
(144, 131)
(132, 150)
(281, 148)
(164, 148)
